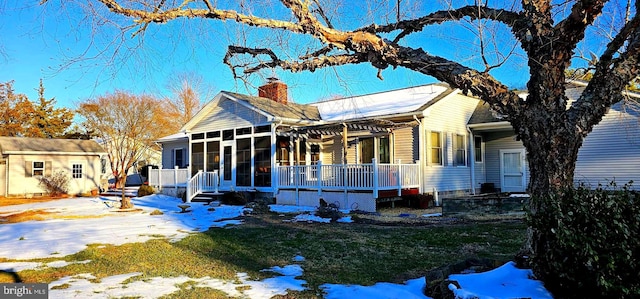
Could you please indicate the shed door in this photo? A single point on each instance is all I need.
(512, 170)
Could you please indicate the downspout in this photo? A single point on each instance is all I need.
(472, 161)
(274, 155)
(420, 153)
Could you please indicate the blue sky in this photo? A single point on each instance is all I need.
(37, 43)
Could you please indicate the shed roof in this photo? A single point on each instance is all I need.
(25, 145)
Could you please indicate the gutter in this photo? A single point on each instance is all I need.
(492, 125)
(53, 153)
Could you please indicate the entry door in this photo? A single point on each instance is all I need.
(227, 163)
(512, 170)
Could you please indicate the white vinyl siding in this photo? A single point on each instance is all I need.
(405, 148)
(612, 150)
(20, 179)
(229, 114)
(449, 116)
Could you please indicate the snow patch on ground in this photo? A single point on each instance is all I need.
(80, 286)
(61, 237)
(506, 281)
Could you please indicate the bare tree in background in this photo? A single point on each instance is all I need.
(125, 125)
(547, 36)
(188, 92)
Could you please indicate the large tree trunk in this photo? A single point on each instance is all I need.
(125, 202)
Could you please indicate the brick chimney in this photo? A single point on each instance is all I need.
(274, 90)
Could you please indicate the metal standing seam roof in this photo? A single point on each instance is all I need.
(290, 110)
(17, 145)
(382, 104)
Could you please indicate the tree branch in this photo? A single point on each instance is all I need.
(306, 62)
(143, 16)
(610, 79)
(583, 13)
(471, 11)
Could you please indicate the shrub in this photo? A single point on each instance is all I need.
(234, 199)
(156, 212)
(259, 206)
(55, 184)
(145, 190)
(329, 211)
(591, 244)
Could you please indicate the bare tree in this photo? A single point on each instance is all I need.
(122, 122)
(188, 92)
(547, 34)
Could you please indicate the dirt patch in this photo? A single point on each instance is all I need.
(40, 215)
(12, 201)
(37, 215)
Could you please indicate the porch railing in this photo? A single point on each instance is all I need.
(202, 182)
(168, 177)
(357, 177)
(371, 176)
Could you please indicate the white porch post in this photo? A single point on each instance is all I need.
(216, 181)
(319, 177)
(374, 162)
(160, 178)
(175, 178)
(399, 176)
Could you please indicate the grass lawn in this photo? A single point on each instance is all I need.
(344, 253)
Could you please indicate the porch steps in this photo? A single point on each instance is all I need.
(207, 197)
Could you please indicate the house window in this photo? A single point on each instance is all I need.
(178, 157)
(460, 154)
(302, 151)
(243, 131)
(315, 153)
(197, 136)
(366, 150)
(262, 161)
(227, 135)
(384, 150)
(76, 171)
(38, 168)
(213, 155)
(477, 147)
(435, 149)
(262, 129)
(214, 134)
(282, 150)
(197, 157)
(243, 162)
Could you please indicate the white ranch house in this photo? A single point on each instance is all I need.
(358, 151)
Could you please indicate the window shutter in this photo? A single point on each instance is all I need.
(47, 168)
(28, 169)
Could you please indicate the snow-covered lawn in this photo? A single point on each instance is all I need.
(102, 224)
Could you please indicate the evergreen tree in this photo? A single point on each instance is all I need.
(48, 121)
